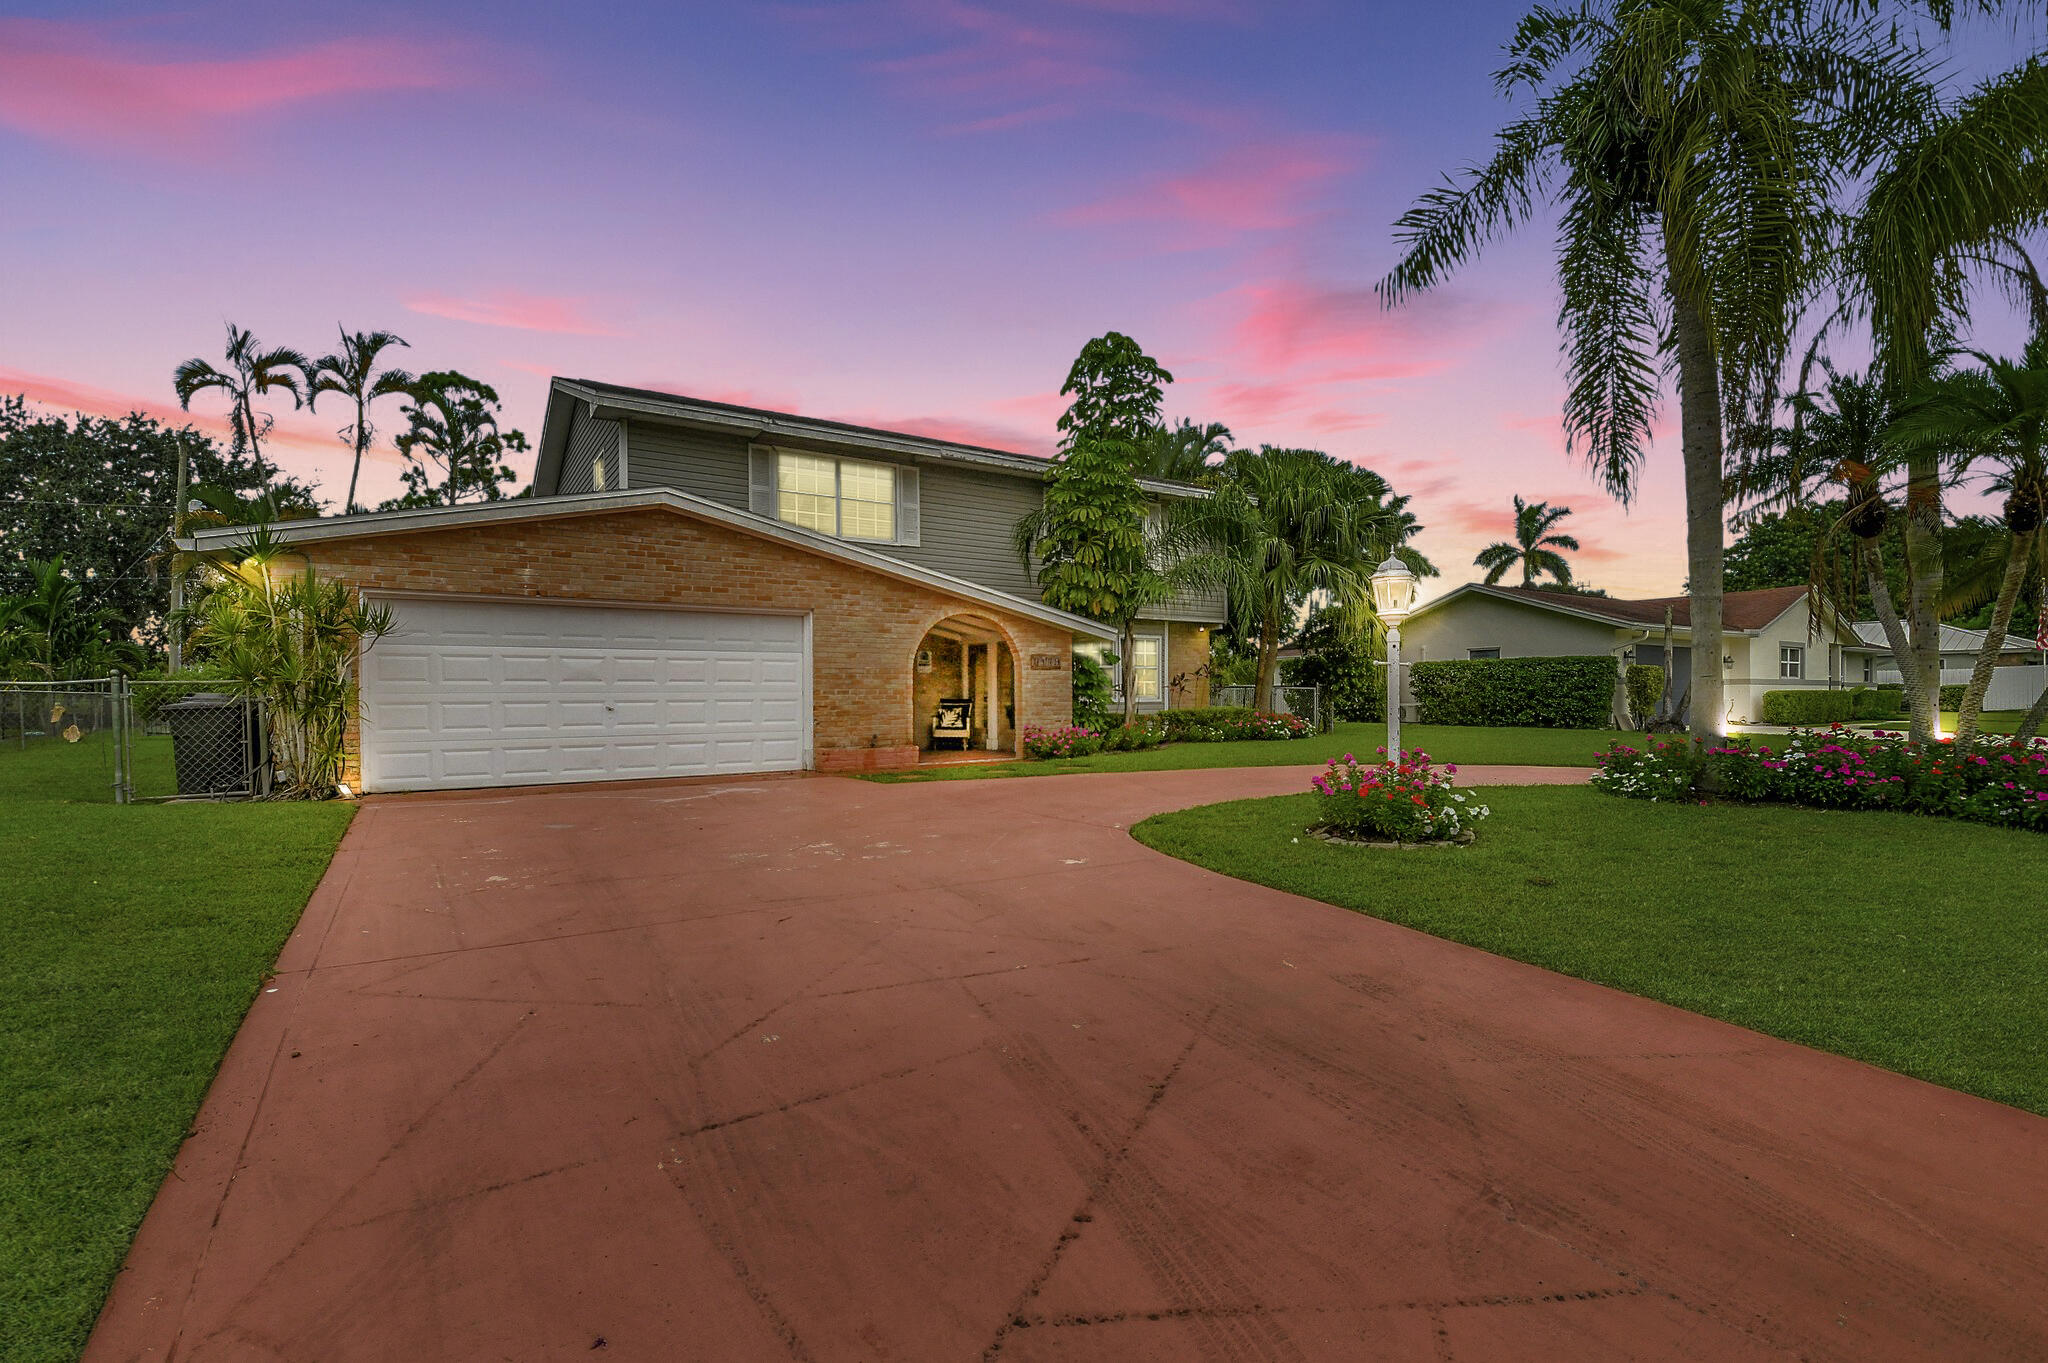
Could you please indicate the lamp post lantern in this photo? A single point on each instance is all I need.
(1393, 597)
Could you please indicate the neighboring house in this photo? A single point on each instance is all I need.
(1871, 663)
(1770, 640)
(695, 588)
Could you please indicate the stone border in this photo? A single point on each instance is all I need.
(1464, 839)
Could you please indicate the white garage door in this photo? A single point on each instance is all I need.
(471, 694)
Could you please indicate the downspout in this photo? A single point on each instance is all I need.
(1620, 714)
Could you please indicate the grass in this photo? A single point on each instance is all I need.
(1445, 742)
(132, 940)
(1936, 968)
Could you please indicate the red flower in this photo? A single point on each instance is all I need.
(1417, 799)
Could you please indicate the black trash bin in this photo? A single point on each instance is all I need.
(213, 744)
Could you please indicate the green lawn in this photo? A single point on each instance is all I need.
(1938, 967)
(132, 940)
(1444, 742)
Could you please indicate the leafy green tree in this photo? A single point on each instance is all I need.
(1345, 662)
(1090, 539)
(452, 438)
(1693, 146)
(1535, 546)
(352, 372)
(1285, 528)
(1185, 452)
(97, 494)
(252, 372)
(1995, 415)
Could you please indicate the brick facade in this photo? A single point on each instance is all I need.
(1187, 663)
(865, 627)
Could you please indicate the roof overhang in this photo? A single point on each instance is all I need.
(764, 427)
(522, 510)
(1592, 614)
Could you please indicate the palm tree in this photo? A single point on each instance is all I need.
(1185, 452)
(1534, 546)
(352, 371)
(1959, 184)
(1998, 413)
(252, 372)
(1285, 526)
(1692, 146)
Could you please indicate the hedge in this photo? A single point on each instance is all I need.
(1547, 693)
(1645, 688)
(1802, 708)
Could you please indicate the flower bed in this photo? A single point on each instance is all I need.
(1403, 799)
(1071, 740)
(1991, 781)
(1229, 723)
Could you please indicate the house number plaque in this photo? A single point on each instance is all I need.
(1046, 662)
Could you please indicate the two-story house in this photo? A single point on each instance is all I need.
(697, 588)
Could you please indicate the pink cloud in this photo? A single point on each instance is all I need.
(959, 430)
(65, 81)
(298, 430)
(519, 311)
(1266, 187)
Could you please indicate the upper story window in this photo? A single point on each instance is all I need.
(1791, 661)
(845, 497)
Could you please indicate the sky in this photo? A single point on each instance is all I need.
(905, 213)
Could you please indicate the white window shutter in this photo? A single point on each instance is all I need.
(761, 480)
(907, 531)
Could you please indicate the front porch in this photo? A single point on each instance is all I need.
(964, 692)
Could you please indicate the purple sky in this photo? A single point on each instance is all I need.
(903, 212)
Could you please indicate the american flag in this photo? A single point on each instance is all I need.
(2041, 625)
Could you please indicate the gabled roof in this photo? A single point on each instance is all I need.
(518, 509)
(1741, 612)
(611, 401)
(1954, 639)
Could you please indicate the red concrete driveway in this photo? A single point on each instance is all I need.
(825, 1070)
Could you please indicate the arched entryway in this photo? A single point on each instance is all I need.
(965, 661)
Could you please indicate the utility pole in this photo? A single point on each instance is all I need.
(177, 625)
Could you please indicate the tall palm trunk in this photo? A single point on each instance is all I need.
(356, 470)
(1263, 697)
(1924, 575)
(1699, 403)
(2021, 554)
(1127, 640)
(1895, 633)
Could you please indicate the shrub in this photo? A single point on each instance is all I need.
(1549, 693)
(1645, 686)
(1993, 781)
(1952, 696)
(1228, 723)
(1891, 699)
(1807, 707)
(1342, 664)
(1131, 737)
(1406, 798)
(1070, 741)
(1094, 693)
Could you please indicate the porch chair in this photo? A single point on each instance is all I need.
(952, 722)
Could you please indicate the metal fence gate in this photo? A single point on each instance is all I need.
(1306, 701)
(110, 738)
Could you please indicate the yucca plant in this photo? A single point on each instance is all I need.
(276, 631)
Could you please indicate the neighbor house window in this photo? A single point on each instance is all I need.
(1791, 661)
(842, 497)
(1479, 653)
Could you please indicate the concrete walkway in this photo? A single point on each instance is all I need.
(819, 1069)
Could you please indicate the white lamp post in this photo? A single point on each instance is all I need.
(1393, 597)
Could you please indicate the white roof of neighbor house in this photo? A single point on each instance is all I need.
(364, 524)
(1954, 639)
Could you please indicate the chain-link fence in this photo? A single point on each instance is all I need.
(1306, 701)
(110, 738)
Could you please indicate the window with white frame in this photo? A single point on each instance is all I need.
(1482, 654)
(1791, 661)
(843, 497)
(1148, 666)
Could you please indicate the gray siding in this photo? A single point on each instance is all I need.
(1451, 631)
(965, 519)
(700, 463)
(589, 441)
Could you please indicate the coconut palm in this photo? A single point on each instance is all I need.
(1285, 526)
(1692, 146)
(1185, 452)
(1996, 415)
(1534, 547)
(352, 371)
(1960, 182)
(251, 373)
